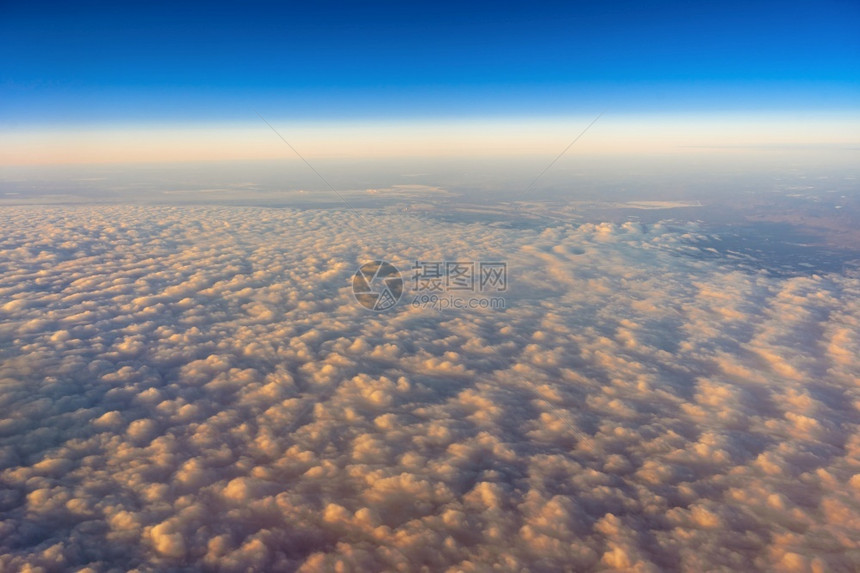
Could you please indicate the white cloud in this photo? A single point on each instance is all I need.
(179, 392)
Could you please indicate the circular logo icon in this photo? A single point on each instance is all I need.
(377, 285)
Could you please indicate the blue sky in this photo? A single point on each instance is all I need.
(92, 65)
(92, 61)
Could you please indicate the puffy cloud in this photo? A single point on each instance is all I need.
(194, 388)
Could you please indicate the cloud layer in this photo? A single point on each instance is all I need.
(194, 388)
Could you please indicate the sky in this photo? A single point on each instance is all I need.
(118, 74)
(666, 380)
